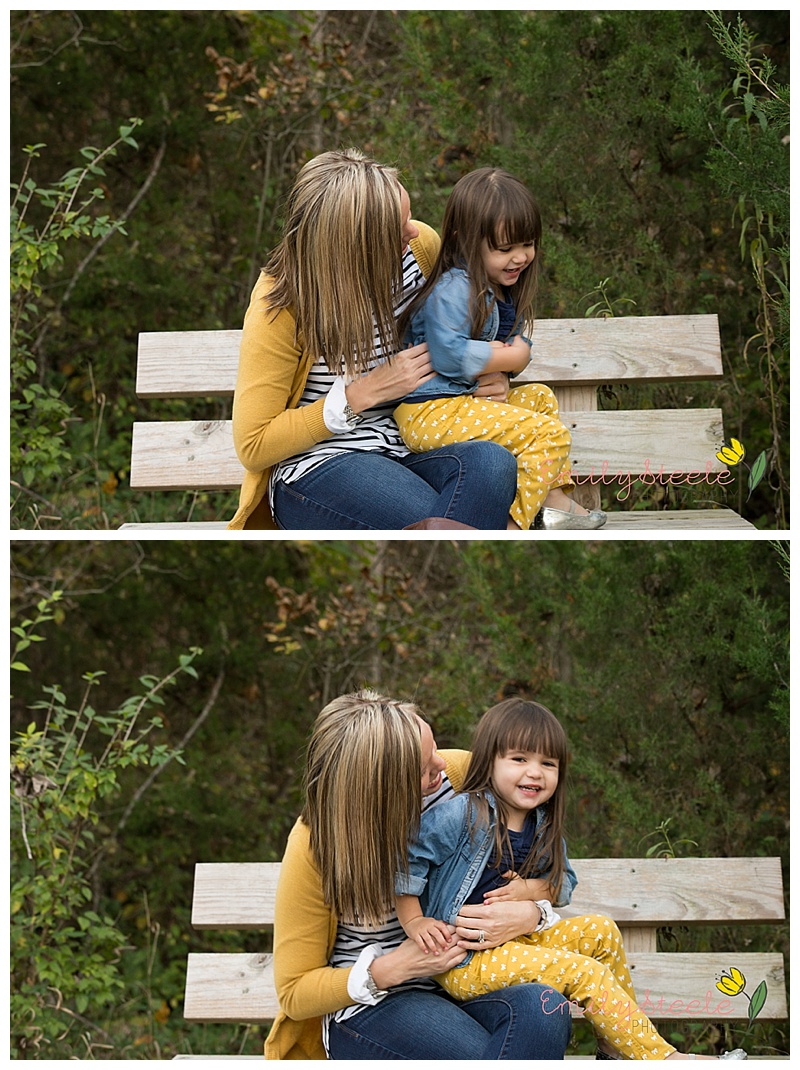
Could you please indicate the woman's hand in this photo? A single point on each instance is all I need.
(496, 921)
(408, 961)
(492, 385)
(391, 380)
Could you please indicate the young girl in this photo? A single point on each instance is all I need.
(470, 312)
(502, 835)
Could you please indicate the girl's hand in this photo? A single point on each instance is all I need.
(492, 385)
(519, 889)
(430, 934)
(408, 961)
(498, 921)
(391, 380)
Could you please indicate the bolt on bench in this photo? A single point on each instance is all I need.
(572, 356)
(639, 894)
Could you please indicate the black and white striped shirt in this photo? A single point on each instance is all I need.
(352, 940)
(377, 429)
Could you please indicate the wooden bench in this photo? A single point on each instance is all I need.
(573, 356)
(640, 894)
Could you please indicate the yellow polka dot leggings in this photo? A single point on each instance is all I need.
(583, 959)
(527, 425)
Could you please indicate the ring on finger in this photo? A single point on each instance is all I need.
(481, 936)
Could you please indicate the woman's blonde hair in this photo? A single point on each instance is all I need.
(519, 725)
(363, 800)
(338, 266)
(487, 205)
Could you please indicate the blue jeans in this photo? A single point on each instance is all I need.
(472, 482)
(527, 1021)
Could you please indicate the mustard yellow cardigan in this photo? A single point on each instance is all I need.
(305, 930)
(268, 426)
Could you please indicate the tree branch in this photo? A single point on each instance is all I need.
(143, 787)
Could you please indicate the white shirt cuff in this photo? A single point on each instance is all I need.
(333, 410)
(549, 916)
(357, 981)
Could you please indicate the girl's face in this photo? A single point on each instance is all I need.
(504, 266)
(523, 780)
(432, 762)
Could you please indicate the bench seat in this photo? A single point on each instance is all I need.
(575, 357)
(640, 894)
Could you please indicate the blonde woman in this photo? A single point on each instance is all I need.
(349, 982)
(321, 370)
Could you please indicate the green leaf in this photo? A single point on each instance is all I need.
(757, 1001)
(757, 472)
(19, 666)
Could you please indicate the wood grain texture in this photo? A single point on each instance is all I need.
(234, 895)
(720, 519)
(590, 351)
(240, 988)
(185, 364)
(632, 349)
(639, 891)
(607, 447)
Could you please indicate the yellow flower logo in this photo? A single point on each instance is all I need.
(733, 982)
(733, 454)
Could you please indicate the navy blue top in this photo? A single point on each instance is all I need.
(508, 314)
(492, 876)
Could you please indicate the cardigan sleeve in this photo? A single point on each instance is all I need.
(268, 426)
(307, 986)
(456, 762)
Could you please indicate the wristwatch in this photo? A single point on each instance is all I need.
(372, 988)
(351, 418)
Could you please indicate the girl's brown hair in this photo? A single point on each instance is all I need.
(519, 725)
(338, 266)
(489, 205)
(363, 800)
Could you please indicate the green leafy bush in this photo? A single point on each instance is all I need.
(65, 766)
(43, 219)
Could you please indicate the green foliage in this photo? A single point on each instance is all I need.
(65, 767)
(666, 847)
(606, 306)
(668, 663)
(687, 168)
(43, 220)
(748, 159)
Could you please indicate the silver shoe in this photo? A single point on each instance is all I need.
(548, 519)
(737, 1053)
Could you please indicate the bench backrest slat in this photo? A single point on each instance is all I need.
(644, 891)
(630, 349)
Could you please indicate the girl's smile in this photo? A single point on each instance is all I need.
(505, 265)
(523, 780)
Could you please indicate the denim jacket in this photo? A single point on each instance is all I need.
(445, 863)
(444, 323)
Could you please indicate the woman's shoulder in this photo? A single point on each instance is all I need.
(456, 762)
(259, 309)
(425, 247)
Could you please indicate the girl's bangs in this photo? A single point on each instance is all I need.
(515, 221)
(539, 734)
